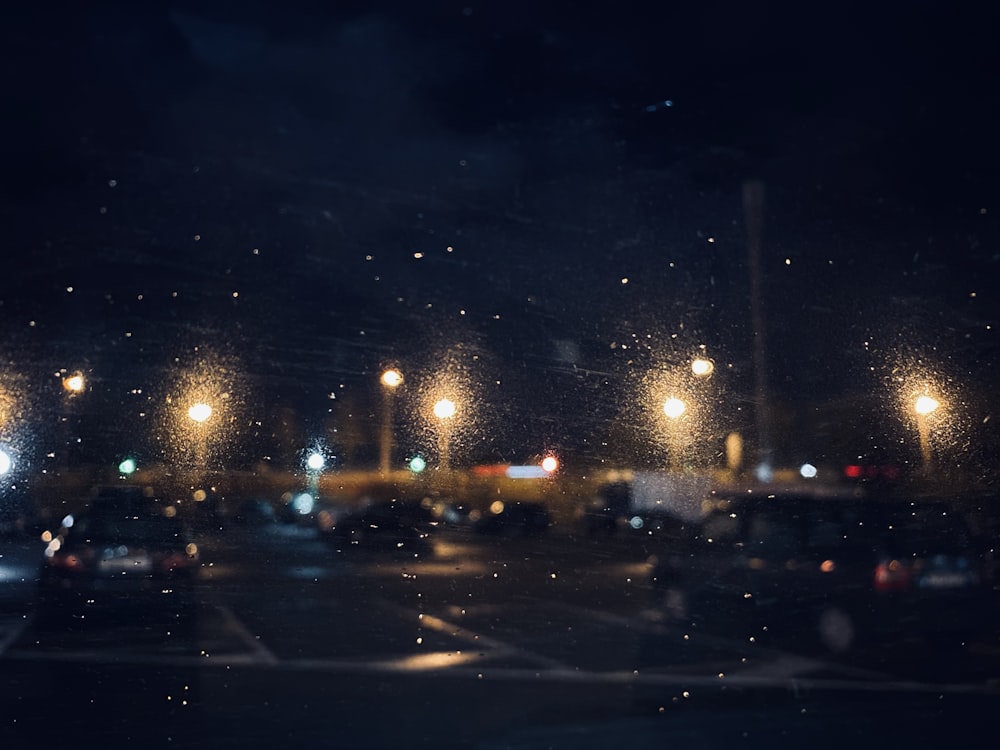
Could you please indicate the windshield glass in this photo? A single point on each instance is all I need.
(498, 374)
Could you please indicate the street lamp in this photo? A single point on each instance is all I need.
(924, 406)
(6, 462)
(74, 383)
(674, 408)
(391, 379)
(702, 367)
(444, 410)
(200, 412)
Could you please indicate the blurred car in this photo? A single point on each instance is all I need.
(255, 512)
(514, 519)
(126, 554)
(840, 572)
(400, 527)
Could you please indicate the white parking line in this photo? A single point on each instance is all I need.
(498, 647)
(407, 665)
(770, 662)
(252, 642)
(13, 632)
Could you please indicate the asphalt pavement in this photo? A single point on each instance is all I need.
(296, 637)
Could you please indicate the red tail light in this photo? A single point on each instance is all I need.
(176, 561)
(65, 561)
(892, 575)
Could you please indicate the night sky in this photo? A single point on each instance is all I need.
(546, 201)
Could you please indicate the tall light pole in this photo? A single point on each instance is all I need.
(73, 384)
(444, 410)
(200, 413)
(391, 380)
(674, 408)
(924, 406)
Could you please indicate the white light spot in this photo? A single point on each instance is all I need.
(808, 471)
(625, 280)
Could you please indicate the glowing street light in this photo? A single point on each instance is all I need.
(550, 464)
(74, 383)
(315, 462)
(674, 408)
(702, 367)
(200, 412)
(924, 406)
(391, 379)
(6, 462)
(445, 409)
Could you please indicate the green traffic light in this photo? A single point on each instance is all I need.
(127, 466)
(417, 464)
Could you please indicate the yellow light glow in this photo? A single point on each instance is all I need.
(392, 378)
(550, 464)
(199, 496)
(924, 405)
(674, 407)
(200, 412)
(496, 507)
(74, 383)
(444, 409)
(702, 367)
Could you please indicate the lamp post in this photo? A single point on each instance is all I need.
(200, 413)
(674, 408)
(444, 410)
(315, 463)
(924, 406)
(73, 384)
(391, 380)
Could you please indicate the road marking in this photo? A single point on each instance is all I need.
(16, 627)
(405, 665)
(500, 648)
(777, 663)
(248, 639)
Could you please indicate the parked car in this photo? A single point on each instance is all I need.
(397, 526)
(840, 571)
(514, 518)
(126, 554)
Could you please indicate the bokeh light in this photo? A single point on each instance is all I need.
(444, 408)
(702, 367)
(674, 407)
(200, 412)
(392, 378)
(925, 405)
(74, 383)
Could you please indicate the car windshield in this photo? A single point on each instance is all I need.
(499, 374)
